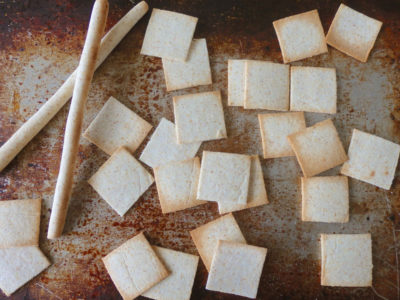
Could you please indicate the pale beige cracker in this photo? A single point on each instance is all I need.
(325, 199)
(224, 177)
(134, 267)
(207, 236)
(346, 260)
(313, 89)
(177, 185)
(193, 72)
(19, 222)
(168, 35)
(163, 146)
(236, 269)
(116, 126)
(19, 265)
(353, 33)
(257, 194)
(121, 180)
(275, 127)
(372, 159)
(178, 285)
(199, 117)
(300, 36)
(236, 73)
(318, 148)
(266, 85)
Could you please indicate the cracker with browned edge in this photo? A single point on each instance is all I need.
(318, 148)
(134, 267)
(236, 73)
(207, 236)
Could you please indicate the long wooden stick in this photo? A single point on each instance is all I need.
(73, 128)
(47, 111)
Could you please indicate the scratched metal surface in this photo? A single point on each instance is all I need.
(40, 43)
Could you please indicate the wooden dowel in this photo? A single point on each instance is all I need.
(73, 128)
(47, 111)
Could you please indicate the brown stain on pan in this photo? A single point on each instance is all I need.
(40, 43)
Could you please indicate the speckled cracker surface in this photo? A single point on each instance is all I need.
(257, 194)
(178, 285)
(318, 148)
(236, 73)
(353, 33)
(163, 146)
(19, 222)
(371, 159)
(266, 85)
(121, 180)
(19, 265)
(346, 260)
(325, 199)
(275, 127)
(134, 267)
(168, 35)
(194, 71)
(313, 89)
(300, 36)
(199, 117)
(207, 236)
(116, 126)
(236, 269)
(224, 177)
(177, 185)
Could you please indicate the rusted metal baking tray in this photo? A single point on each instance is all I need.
(40, 44)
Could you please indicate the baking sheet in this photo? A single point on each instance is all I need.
(40, 44)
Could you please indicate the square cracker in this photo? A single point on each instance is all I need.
(121, 180)
(19, 265)
(346, 260)
(177, 184)
(236, 76)
(168, 35)
(20, 222)
(134, 267)
(318, 148)
(163, 147)
(257, 194)
(266, 85)
(372, 159)
(300, 36)
(224, 177)
(325, 199)
(194, 71)
(199, 117)
(275, 128)
(353, 33)
(178, 285)
(236, 269)
(313, 89)
(206, 236)
(116, 126)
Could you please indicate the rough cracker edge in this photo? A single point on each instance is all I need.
(260, 119)
(292, 144)
(171, 87)
(155, 10)
(229, 102)
(194, 234)
(323, 259)
(277, 24)
(245, 94)
(305, 217)
(145, 129)
(338, 45)
(166, 208)
(163, 273)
